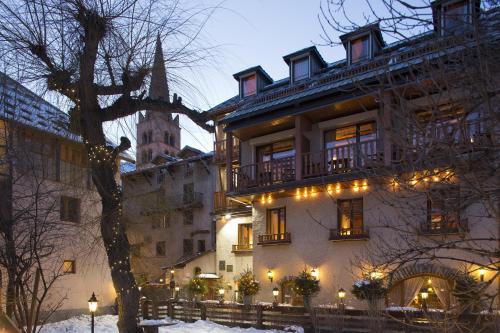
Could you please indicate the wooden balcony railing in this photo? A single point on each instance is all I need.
(349, 234)
(222, 202)
(270, 239)
(220, 149)
(340, 159)
(264, 173)
(242, 247)
(445, 227)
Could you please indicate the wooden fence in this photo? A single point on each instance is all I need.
(319, 320)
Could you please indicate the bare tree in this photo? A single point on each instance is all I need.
(439, 100)
(98, 55)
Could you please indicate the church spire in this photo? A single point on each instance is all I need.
(159, 85)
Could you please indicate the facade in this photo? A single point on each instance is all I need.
(330, 168)
(43, 171)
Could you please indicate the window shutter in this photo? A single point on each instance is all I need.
(357, 214)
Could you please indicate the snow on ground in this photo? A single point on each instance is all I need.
(107, 324)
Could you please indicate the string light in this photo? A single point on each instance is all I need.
(337, 188)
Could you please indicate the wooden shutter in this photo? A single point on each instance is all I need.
(357, 214)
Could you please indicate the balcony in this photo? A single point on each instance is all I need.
(275, 239)
(349, 234)
(223, 203)
(444, 227)
(327, 162)
(242, 248)
(220, 149)
(185, 201)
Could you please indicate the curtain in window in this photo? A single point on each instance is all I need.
(276, 221)
(249, 85)
(443, 291)
(411, 289)
(359, 49)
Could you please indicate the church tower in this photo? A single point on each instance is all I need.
(157, 133)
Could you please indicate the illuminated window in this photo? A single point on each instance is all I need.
(350, 216)
(360, 49)
(276, 221)
(245, 236)
(69, 267)
(300, 68)
(249, 85)
(443, 206)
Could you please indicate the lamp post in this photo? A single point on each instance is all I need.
(341, 294)
(276, 292)
(424, 294)
(92, 308)
(172, 282)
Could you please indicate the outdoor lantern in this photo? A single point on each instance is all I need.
(424, 294)
(92, 309)
(315, 274)
(221, 291)
(93, 303)
(482, 272)
(139, 288)
(276, 292)
(227, 216)
(172, 271)
(177, 288)
(270, 275)
(341, 294)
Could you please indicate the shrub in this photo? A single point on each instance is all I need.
(371, 289)
(305, 284)
(198, 286)
(247, 284)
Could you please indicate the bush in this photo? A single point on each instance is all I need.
(371, 289)
(305, 284)
(247, 284)
(198, 286)
(468, 292)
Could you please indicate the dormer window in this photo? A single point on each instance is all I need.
(359, 49)
(300, 69)
(249, 85)
(455, 16)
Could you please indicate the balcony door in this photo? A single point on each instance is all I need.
(276, 161)
(350, 217)
(349, 146)
(276, 221)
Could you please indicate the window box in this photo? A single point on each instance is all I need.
(349, 234)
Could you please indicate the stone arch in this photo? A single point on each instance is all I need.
(440, 271)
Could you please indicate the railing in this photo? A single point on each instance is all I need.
(222, 202)
(444, 227)
(269, 239)
(242, 247)
(349, 234)
(340, 159)
(220, 149)
(264, 173)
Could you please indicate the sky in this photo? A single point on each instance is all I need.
(250, 33)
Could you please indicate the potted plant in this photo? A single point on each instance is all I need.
(306, 286)
(370, 290)
(247, 286)
(198, 287)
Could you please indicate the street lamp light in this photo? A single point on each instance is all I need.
(315, 274)
(276, 292)
(270, 275)
(92, 309)
(482, 273)
(221, 294)
(341, 298)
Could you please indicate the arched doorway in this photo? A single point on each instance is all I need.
(407, 285)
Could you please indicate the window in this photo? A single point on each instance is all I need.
(69, 267)
(300, 68)
(188, 170)
(249, 85)
(455, 16)
(443, 208)
(166, 138)
(70, 209)
(360, 49)
(245, 236)
(229, 268)
(276, 221)
(187, 246)
(222, 265)
(188, 193)
(147, 137)
(188, 217)
(161, 249)
(276, 151)
(172, 140)
(144, 156)
(201, 245)
(162, 222)
(150, 155)
(350, 217)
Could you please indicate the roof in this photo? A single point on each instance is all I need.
(308, 50)
(21, 105)
(257, 69)
(337, 76)
(373, 27)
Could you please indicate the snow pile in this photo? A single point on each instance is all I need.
(401, 308)
(81, 324)
(361, 283)
(107, 324)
